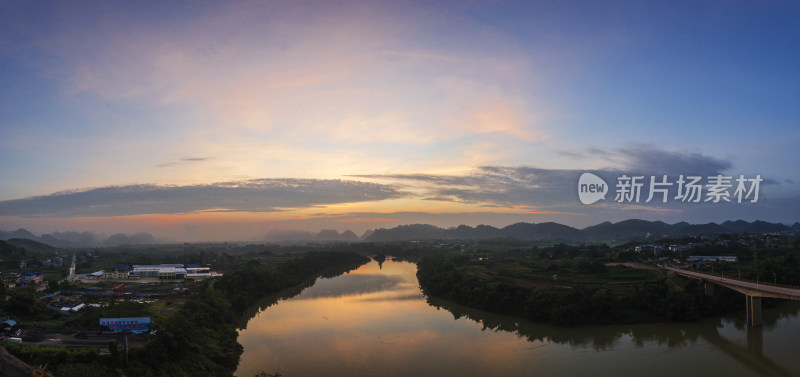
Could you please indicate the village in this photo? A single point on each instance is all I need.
(162, 287)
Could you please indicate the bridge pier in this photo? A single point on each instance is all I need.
(753, 305)
(708, 288)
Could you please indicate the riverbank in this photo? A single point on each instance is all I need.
(586, 293)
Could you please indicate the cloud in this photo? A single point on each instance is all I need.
(520, 189)
(258, 195)
(541, 190)
(494, 185)
(183, 160)
(368, 220)
(646, 158)
(295, 90)
(516, 190)
(599, 152)
(336, 71)
(571, 154)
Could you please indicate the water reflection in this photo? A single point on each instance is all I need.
(375, 321)
(358, 284)
(604, 338)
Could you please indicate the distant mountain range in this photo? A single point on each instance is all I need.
(549, 231)
(88, 239)
(607, 231)
(80, 239)
(326, 235)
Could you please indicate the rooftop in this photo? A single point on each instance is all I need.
(146, 266)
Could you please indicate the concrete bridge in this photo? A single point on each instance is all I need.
(753, 291)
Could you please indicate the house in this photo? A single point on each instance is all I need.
(118, 272)
(32, 278)
(10, 279)
(8, 325)
(95, 275)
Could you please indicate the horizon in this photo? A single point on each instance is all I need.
(283, 235)
(228, 120)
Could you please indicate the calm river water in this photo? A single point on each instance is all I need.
(374, 321)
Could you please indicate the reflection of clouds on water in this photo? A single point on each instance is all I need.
(417, 296)
(376, 321)
(355, 284)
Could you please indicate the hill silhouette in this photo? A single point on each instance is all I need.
(547, 231)
(603, 232)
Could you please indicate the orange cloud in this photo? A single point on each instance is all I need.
(360, 220)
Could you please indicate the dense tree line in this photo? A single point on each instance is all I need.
(443, 275)
(781, 268)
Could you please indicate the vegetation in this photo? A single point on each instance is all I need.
(24, 302)
(200, 338)
(574, 289)
(559, 283)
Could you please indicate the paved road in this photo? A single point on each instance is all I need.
(71, 276)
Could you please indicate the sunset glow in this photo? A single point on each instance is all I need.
(201, 121)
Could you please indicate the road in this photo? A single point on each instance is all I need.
(71, 276)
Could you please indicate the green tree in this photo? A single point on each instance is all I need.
(52, 286)
(24, 302)
(2, 289)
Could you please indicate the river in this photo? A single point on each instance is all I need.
(374, 321)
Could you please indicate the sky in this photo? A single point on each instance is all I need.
(199, 121)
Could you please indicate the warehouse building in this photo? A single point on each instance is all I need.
(159, 271)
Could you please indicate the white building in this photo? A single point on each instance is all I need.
(195, 271)
(160, 271)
